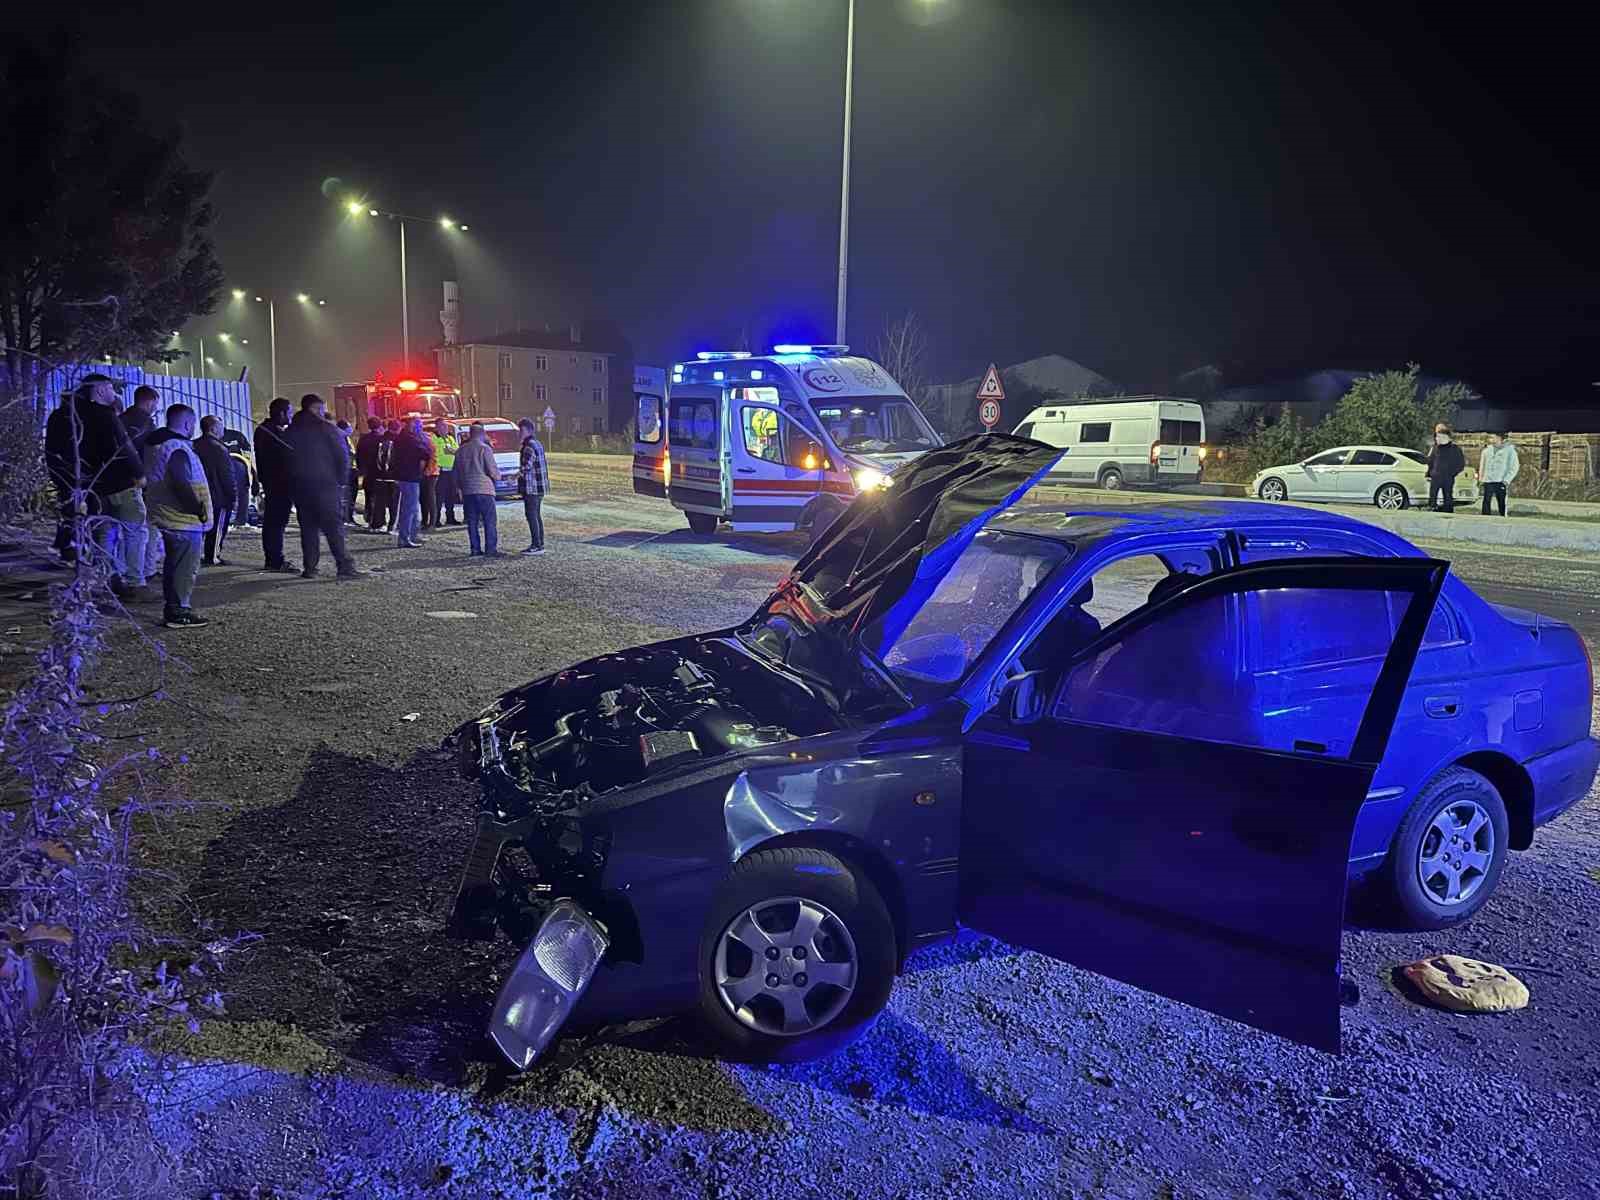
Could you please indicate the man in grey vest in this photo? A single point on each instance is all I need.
(179, 504)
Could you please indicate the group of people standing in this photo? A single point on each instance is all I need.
(411, 479)
(155, 493)
(1498, 466)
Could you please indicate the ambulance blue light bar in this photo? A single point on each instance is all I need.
(791, 348)
(712, 355)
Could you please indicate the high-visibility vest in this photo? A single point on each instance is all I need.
(444, 450)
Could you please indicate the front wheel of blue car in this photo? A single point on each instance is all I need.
(1448, 853)
(796, 958)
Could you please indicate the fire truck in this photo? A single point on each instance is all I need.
(400, 400)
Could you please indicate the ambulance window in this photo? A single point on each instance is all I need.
(761, 433)
(649, 418)
(693, 423)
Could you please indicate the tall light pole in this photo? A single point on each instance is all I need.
(301, 298)
(844, 185)
(359, 208)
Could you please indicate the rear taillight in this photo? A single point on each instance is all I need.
(1155, 453)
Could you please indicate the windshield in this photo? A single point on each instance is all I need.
(875, 424)
(993, 578)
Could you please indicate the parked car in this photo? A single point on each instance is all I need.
(1392, 477)
(1156, 742)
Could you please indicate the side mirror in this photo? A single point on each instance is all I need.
(1022, 699)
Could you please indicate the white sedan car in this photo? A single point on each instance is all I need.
(1392, 477)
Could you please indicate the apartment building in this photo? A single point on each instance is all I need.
(526, 373)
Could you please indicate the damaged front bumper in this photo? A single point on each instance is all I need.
(550, 977)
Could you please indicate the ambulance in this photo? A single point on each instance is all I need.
(777, 442)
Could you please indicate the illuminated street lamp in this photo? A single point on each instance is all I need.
(354, 208)
(301, 298)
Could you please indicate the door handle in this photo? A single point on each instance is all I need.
(746, 470)
(1442, 707)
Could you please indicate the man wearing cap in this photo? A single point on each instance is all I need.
(107, 475)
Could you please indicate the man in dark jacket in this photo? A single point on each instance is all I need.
(318, 469)
(367, 465)
(89, 450)
(139, 418)
(1445, 462)
(273, 452)
(218, 465)
(61, 464)
(412, 453)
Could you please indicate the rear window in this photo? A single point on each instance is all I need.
(1180, 433)
(649, 419)
(1098, 431)
(1416, 456)
(503, 440)
(693, 424)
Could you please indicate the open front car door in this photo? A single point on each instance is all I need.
(1134, 810)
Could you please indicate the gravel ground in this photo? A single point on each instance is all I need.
(334, 829)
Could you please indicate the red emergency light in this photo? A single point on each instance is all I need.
(407, 385)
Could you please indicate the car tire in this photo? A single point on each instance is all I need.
(1391, 497)
(1420, 886)
(705, 524)
(855, 930)
(1111, 479)
(1273, 488)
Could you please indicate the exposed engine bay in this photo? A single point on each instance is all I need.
(619, 719)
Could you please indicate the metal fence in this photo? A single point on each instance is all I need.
(225, 398)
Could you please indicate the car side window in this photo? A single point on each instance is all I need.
(1024, 430)
(1094, 431)
(1371, 458)
(761, 433)
(1182, 674)
(1333, 458)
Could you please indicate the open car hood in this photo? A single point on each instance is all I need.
(886, 554)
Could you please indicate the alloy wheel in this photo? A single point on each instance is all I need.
(1392, 497)
(1273, 489)
(1456, 852)
(785, 966)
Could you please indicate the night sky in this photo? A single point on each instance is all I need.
(1143, 188)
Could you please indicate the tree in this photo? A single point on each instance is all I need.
(1386, 410)
(902, 350)
(104, 242)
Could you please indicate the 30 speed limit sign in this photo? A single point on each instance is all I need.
(990, 392)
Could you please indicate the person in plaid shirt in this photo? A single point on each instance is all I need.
(533, 481)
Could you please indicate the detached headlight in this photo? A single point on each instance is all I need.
(868, 478)
(546, 983)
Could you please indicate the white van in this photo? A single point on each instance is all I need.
(776, 442)
(1126, 440)
(505, 439)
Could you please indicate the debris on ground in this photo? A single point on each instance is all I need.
(1466, 984)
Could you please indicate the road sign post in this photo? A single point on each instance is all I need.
(990, 393)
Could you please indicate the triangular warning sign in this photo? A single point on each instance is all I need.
(990, 388)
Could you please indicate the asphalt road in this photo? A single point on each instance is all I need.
(332, 828)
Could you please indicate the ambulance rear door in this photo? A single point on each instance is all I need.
(650, 452)
(697, 436)
(778, 466)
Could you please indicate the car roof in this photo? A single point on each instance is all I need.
(1044, 519)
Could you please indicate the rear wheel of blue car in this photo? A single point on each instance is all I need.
(796, 958)
(1449, 850)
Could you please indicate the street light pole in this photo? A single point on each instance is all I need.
(202, 357)
(844, 186)
(272, 338)
(405, 306)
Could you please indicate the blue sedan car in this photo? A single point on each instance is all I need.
(1155, 742)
